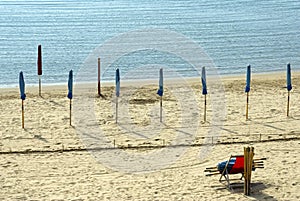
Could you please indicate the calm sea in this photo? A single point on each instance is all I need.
(234, 33)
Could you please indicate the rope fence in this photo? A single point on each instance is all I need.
(161, 143)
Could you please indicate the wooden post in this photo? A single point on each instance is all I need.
(205, 108)
(245, 170)
(70, 112)
(288, 104)
(22, 113)
(116, 109)
(99, 84)
(160, 109)
(250, 165)
(247, 105)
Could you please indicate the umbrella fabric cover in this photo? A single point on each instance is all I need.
(288, 78)
(39, 62)
(247, 89)
(117, 82)
(70, 85)
(161, 83)
(22, 86)
(203, 80)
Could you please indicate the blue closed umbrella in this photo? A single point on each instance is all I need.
(117, 91)
(22, 94)
(288, 77)
(160, 91)
(204, 89)
(22, 86)
(288, 86)
(70, 85)
(203, 80)
(247, 89)
(117, 82)
(70, 93)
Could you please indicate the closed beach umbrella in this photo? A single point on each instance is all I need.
(70, 93)
(203, 80)
(39, 67)
(248, 80)
(160, 91)
(161, 83)
(288, 86)
(247, 89)
(22, 94)
(288, 78)
(204, 89)
(70, 85)
(39, 61)
(117, 82)
(117, 91)
(22, 86)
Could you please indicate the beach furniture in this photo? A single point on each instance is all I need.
(237, 164)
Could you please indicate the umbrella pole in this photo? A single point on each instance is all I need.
(288, 104)
(40, 87)
(205, 108)
(70, 112)
(161, 109)
(247, 105)
(22, 113)
(117, 109)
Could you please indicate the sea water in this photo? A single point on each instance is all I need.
(233, 33)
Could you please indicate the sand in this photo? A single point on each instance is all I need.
(140, 158)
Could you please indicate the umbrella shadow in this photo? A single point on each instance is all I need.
(266, 125)
(102, 96)
(39, 137)
(177, 130)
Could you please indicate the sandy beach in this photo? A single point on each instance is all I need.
(140, 158)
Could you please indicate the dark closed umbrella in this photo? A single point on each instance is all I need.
(70, 93)
(204, 89)
(117, 91)
(288, 86)
(22, 94)
(70, 85)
